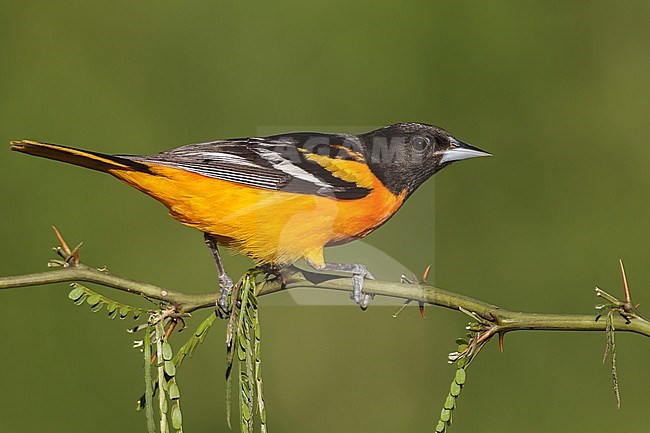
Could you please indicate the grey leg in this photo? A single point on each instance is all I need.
(225, 282)
(359, 272)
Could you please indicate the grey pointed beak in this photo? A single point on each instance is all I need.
(460, 150)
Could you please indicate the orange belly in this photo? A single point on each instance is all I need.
(269, 226)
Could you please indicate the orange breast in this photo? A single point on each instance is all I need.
(269, 226)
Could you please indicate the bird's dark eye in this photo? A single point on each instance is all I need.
(419, 143)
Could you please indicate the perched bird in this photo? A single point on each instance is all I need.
(285, 197)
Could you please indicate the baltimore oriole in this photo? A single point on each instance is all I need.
(285, 197)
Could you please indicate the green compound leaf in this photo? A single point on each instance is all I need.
(460, 376)
(162, 397)
(199, 335)
(243, 343)
(148, 393)
(81, 294)
(170, 387)
(450, 401)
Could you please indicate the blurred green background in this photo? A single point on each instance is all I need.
(557, 90)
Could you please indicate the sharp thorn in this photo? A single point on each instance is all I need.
(74, 255)
(64, 245)
(626, 288)
(425, 274)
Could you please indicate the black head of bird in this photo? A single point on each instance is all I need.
(404, 155)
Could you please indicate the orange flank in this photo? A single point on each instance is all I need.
(268, 225)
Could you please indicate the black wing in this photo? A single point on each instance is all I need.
(278, 162)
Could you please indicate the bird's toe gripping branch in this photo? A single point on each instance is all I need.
(359, 274)
(225, 289)
(357, 295)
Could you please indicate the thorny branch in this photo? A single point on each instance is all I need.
(494, 320)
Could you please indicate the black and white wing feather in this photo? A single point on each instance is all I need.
(275, 163)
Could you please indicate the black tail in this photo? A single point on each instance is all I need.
(83, 158)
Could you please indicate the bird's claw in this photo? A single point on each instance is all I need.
(359, 273)
(357, 295)
(226, 284)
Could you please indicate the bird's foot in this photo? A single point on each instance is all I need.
(359, 274)
(223, 308)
